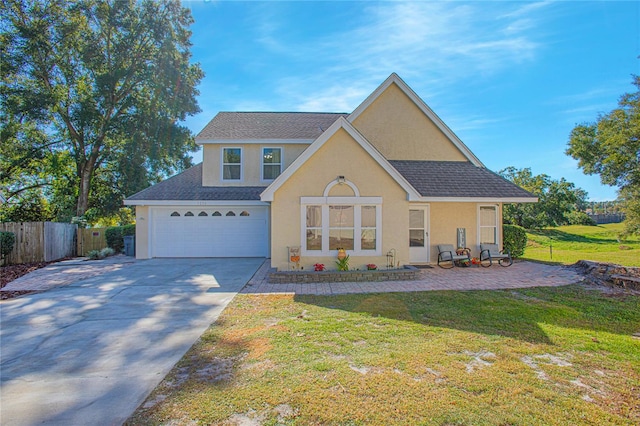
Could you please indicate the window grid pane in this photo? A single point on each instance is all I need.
(368, 216)
(271, 156)
(231, 172)
(232, 156)
(341, 216)
(340, 238)
(488, 235)
(270, 171)
(314, 216)
(368, 239)
(314, 239)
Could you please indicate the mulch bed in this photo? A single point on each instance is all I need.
(12, 272)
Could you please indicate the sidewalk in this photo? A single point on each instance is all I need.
(520, 275)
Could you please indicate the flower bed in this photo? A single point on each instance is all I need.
(408, 273)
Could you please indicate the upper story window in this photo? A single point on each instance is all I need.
(231, 163)
(271, 163)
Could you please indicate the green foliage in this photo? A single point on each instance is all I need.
(556, 199)
(630, 197)
(610, 147)
(7, 241)
(579, 218)
(343, 264)
(114, 236)
(107, 251)
(31, 207)
(94, 255)
(514, 239)
(92, 98)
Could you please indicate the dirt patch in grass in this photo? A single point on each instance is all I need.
(547, 356)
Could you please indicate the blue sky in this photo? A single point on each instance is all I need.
(511, 79)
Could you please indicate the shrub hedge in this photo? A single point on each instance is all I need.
(515, 239)
(115, 234)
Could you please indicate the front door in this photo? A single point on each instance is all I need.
(419, 234)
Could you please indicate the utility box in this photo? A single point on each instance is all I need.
(129, 245)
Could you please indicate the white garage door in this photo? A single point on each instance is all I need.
(240, 231)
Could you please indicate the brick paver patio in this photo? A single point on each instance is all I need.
(65, 273)
(519, 275)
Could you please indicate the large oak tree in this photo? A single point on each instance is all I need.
(103, 85)
(610, 147)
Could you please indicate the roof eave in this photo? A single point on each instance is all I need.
(506, 200)
(193, 202)
(265, 141)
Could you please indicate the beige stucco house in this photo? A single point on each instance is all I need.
(388, 177)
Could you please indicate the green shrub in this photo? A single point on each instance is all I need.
(579, 218)
(115, 234)
(515, 239)
(7, 241)
(106, 252)
(94, 255)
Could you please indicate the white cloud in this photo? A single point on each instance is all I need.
(432, 43)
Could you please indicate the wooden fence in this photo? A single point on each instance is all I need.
(41, 241)
(608, 218)
(91, 239)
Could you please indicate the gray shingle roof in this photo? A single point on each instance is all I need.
(268, 125)
(456, 179)
(187, 186)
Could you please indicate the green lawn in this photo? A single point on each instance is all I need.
(542, 356)
(572, 243)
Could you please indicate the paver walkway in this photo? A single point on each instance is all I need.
(520, 275)
(67, 272)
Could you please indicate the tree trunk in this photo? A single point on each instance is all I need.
(86, 174)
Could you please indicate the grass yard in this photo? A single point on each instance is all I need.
(573, 243)
(541, 356)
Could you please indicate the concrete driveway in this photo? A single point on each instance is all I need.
(90, 352)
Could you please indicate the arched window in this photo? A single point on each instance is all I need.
(188, 214)
(244, 213)
(216, 213)
(202, 214)
(175, 214)
(230, 213)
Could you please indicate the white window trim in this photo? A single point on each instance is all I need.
(497, 225)
(357, 224)
(222, 164)
(262, 163)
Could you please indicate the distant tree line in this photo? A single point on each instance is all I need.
(559, 202)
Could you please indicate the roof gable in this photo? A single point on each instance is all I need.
(339, 124)
(395, 82)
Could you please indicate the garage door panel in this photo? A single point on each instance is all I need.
(210, 236)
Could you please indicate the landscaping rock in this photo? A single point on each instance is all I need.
(609, 274)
